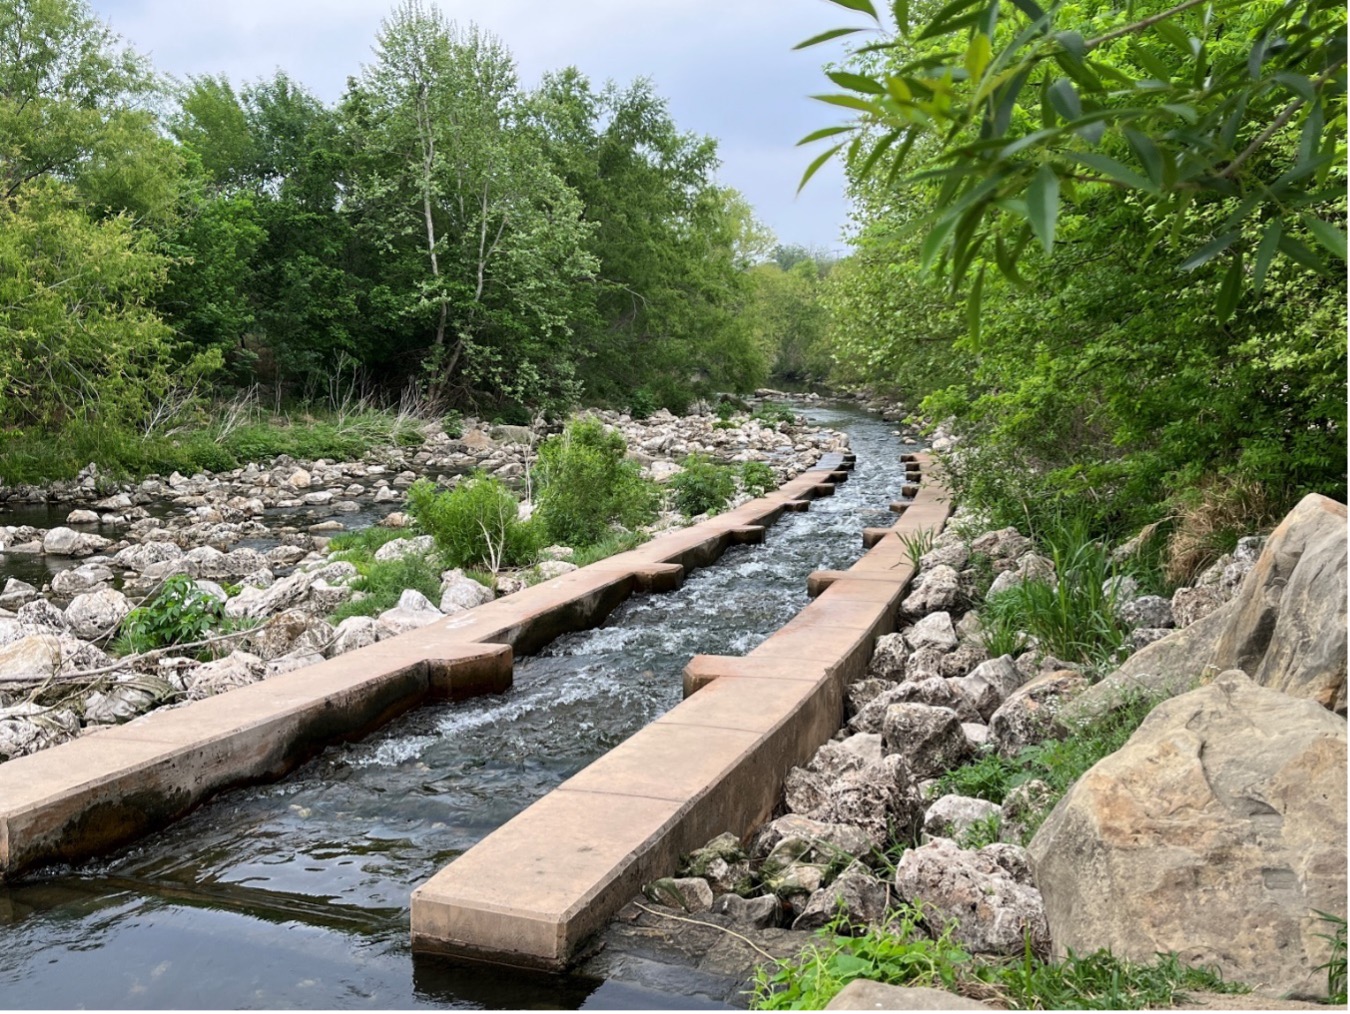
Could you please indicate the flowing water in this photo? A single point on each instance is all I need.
(296, 894)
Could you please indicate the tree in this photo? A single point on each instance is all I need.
(439, 168)
(1013, 109)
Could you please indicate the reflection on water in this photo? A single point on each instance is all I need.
(295, 894)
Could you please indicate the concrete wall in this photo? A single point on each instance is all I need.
(533, 892)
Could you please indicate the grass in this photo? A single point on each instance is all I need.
(384, 581)
(917, 544)
(364, 542)
(37, 457)
(1057, 763)
(1073, 617)
(607, 547)
(1335, 964)
(903, 955)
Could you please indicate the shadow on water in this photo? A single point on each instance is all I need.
(296, 894)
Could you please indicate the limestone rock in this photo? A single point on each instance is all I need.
(688, 894)
(352, 633)
(292, 631)
(865, 994)
(1029, 567)
(399, 548)
(1145, 611)
(879, 798)
(861, 693)
(937, 589)
(748, 913)
(925, 664)
(951, 816)
(962, 660)
(68, 542)
(987, 895)
(459, 592)
(237, 669)
(554, 568)
(888, 658)
(952, 554)
(41, 616)
(413, 611)
(929, 739)
(935, 630)
(849, 754)
(96, 614)
(1191, 604)
(1002, 546)
(855, 895)
(1214, 832)
(817, 837)
(66, 584)
(140, 557)
(1032, 713)
(35, 656)
(82, 517)
(17, 593)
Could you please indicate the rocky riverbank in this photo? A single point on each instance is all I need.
(256, 540)
(1216, 831)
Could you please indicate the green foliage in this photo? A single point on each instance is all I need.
(620, 542)
(180, 613)
(904, 955)
(1335, 963)
(382, 582)
(771, 414)
(1015, 113)
(1073, 617)
(641, 404)
(704, 487)
(1057, 763)
(724, 411)
(474, 524)
(586, 485)
(757, 478)
(982, 832)
(917, 544)
(363, 542)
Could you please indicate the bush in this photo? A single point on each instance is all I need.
(642, 403)
(179, 614)
(725, 410)
(475, 523)
(771, 414)
(757, 478)
(586, 485)
(704, 487)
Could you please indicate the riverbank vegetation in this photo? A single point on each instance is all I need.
(442, 237)
(1107, 244)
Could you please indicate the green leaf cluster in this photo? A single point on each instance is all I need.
(180, 613)
(587, 485)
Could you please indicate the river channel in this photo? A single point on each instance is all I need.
(296, 894)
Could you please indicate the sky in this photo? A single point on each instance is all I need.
(726, 67)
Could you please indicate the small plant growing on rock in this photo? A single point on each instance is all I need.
(179, 614)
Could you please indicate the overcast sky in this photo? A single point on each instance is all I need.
(726, 67)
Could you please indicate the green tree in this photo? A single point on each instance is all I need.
(487, 242)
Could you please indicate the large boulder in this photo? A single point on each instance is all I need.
(933, 631)
(938, 589)
(96, 614)
(986, 896)
(66, 584)
(68, 542)
(1215, 832)
(1285, 627)
(459, 592)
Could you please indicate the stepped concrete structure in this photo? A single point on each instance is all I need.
(536, 891)
(89, 795)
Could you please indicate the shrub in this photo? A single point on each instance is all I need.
(771, 414)
(642, 403)
(475, 523)
(757, 478)
(704, 487)
(453, 424)
(725, 410)
(179, 614)
(586, 485)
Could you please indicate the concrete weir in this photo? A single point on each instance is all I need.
(536, 890)
(92, 794)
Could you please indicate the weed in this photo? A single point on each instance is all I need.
(917, 544)
(1058, 763)
(641, 403)
(1335, 963)
(757, 478)
(771, 414)
(704, 487)
(981, 832)
(586, 485)
(901, 954)
(619, 542)
(364, 541)
(383, 582)
(1209, 522)
(180, 613)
